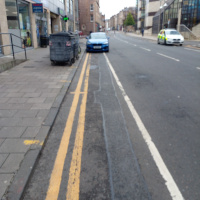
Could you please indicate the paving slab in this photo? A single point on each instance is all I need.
(12, 163)
(11, 132)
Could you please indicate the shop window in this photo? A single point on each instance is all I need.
(11, 12)
(24, 23)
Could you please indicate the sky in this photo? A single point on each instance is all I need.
(112, 7)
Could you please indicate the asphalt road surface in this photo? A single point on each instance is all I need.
(129, 127)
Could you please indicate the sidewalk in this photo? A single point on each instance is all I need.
(187, 43)
(30, 96)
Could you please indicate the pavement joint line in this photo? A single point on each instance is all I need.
(21, 179)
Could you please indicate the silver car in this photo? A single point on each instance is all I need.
(170, 36)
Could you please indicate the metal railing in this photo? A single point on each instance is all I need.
(187, 33)
(13, 45)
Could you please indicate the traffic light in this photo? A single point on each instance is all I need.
(65, 18)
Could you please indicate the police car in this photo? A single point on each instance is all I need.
(170, 36)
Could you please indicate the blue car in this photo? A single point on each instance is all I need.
(97, 42)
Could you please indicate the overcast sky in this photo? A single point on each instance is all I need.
(112, 7)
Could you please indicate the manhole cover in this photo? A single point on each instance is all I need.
(93, 66)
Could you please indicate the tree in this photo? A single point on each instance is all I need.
(129, 20)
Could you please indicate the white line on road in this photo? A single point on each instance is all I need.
(198, 68)
(170, 183)
(145, 49)
(168, 57)
(192, 50)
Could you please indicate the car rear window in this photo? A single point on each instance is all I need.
(97, 36)
(172, 33)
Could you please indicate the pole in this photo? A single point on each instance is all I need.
(12, 46)
(74, 15)
(179, 15)
(93, 18)
(159, 19)
(25, 49)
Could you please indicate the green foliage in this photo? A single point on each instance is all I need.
(129, 20)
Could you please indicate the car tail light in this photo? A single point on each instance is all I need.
(68, 44)
(50, 43)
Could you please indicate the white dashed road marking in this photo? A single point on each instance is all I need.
(168, 57)
(145, 49)
(192, 50)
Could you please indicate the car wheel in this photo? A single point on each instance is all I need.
(181, 44)
(158, 41)
(164, 41)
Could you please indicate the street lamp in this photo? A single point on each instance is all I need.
(159, 14)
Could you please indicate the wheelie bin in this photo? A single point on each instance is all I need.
(62, 48)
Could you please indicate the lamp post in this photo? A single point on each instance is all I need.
(160, 13)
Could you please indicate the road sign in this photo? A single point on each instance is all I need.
(37, 7)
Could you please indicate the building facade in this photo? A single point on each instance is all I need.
(90, 18)
(155, 15)
(117, 21)
(29, 19)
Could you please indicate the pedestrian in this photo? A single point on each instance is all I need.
(142, 32)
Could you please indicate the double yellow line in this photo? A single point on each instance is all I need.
(75, 168)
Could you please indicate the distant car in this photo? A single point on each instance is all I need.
(170, 36)
(97, 41)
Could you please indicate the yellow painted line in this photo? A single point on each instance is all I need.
(75, 168)
(64, 81)
(75, 92)
(56, 176)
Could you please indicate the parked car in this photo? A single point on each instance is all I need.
(97, 41)
(170, 36)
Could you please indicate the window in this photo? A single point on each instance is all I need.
(91, 7)
(68, 6)
(71, 7)
(91, 18)
(12, 17)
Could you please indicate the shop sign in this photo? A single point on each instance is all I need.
(61, 12)
(37, 8)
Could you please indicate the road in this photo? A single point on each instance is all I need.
(128, 127)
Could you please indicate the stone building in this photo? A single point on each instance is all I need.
(117, 21)
(89, 16)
